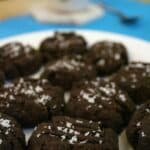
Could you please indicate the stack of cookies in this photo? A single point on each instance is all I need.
(103, 89)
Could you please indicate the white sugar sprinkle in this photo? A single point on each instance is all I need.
(90, 121)
(87, 133)
(49, 127)
(100, 106)
(73, 140)
(60, 128)
(69, 64)
(147, 110)
(38, 135)
(11, 97)
(138, 124)
(143, 134)
(5, 123)
(68, 124)
(88, 107)
(54, 107)
(79, 121)
(97, 135)
(117, 56)
(43, 99)
(38, 89)
(1, 141)
(63, 137)
(101, 62)
(88, 97)
(122, 97)
(7, 105)
(71, 131)
(83, 142)
(100, 142)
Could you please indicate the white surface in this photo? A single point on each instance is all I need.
(138, 50)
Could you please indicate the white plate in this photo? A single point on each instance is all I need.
(138, 50)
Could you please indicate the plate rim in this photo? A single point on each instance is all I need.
(122, 36)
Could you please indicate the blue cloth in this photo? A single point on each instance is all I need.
(109, 22)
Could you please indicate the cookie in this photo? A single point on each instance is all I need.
(138, 130)
(72, 134)
(135, 79)
(108, 57)
(100, 100)
(67, 70)
(11, 134)
(62, 44)
(31, 101)
(24, 60)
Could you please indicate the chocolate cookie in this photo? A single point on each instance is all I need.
(101, 100)
(135, 79)
(11, 134)
(67, 70)
(31, 101)
(19, 60)
(138, 130)
(107, 56)
(62, 44)
(72, 134)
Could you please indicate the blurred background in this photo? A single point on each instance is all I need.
(129, 17)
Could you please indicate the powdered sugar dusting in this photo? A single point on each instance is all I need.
(97, 95)
(72, 131)
(31, 89)
(44, 99)
(68, 64)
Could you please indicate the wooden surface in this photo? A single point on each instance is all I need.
(12, 7)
